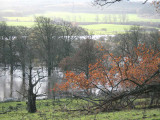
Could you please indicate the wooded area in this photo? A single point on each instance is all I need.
(109, 74)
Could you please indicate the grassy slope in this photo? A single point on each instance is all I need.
(48, 110)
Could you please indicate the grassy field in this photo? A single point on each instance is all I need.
(102, 29)
(20, 19)
(57, 110)
(87, 17)
(27, 24)
(99, 29)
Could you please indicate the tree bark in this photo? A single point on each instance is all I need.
(23, 87)
(11, 81)
(31, 105)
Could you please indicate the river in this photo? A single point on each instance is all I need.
(5, 80)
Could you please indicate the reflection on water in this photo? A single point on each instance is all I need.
(5, 81)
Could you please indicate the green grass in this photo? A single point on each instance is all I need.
(55, 110)
(27, 24)
(20, 19)
(86, 17)
(92, 17)
(152, 114)
(106, 28)
(97, 29)
(103, 29)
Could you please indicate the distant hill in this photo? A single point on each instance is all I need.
(31, 7)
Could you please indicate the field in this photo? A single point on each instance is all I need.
(27, 24)
(102, 29)
(88, 17)
(96, 21)
(58, 110)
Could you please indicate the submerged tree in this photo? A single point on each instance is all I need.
(47, 35)
(22, 48)
(3, 28)
(54, 39)
(86, 54)
(10, 56)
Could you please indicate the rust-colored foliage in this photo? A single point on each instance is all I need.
(117, 72)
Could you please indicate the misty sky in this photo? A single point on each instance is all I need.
(25, 5)
(12, 1)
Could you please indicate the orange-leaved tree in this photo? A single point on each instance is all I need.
(112, 71)
(118, 77)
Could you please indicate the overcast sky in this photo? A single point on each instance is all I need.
(59, 0)
(20, 3)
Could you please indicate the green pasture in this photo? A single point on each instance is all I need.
(97, 29)
(87, 17)
(93, 17)
(69, 109)
(27, 24)
(20, 19)
(101, 29)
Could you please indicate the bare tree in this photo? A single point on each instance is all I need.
(97, 18)
(55, 41)
(125, 43)
(10, 35)
(105, 2)
(47, 35)
(68, 34)
(86, 54)
(3, 28)
(21, 47)
(33, 78)
(105, 18)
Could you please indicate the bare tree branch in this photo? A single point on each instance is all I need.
(105, 2)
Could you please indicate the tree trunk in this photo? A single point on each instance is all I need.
(23, 87)
(11, 65)
(4, 53)
(49, 77)
(152, 99)
(11, 83)
(31, 105)
(48, 87)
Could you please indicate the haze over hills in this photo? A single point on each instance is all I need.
(29, 7)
